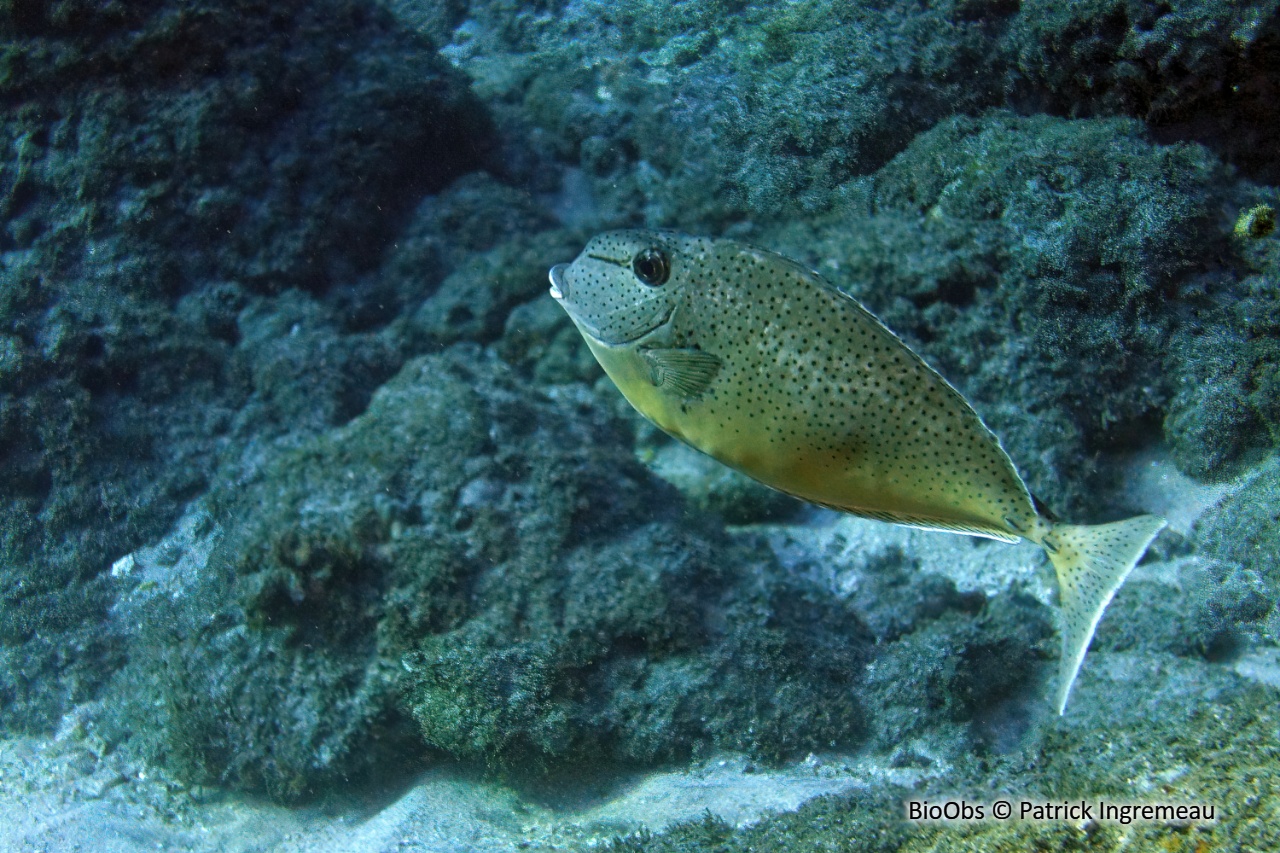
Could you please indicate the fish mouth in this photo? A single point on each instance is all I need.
(556, 275)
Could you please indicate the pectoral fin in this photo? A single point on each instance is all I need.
(685, 372)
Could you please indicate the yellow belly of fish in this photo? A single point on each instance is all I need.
(844, 478)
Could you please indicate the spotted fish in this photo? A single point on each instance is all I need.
(760, 363)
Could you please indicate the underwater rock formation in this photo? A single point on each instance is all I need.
(493, 563)
(165, 162)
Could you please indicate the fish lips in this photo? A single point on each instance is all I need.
(558, 285)
(560, 293)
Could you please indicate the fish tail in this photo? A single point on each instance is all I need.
(1091, 562)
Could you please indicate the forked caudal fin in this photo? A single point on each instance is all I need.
(1091, 562)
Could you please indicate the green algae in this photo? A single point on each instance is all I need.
(1224, 753)
(624, 655)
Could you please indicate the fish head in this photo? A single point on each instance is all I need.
(624, 285)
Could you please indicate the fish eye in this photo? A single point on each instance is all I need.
(652, 267)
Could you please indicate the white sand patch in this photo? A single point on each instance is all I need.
(1260, 664)
(838, 548)
(48, 801)
(1153, 483)
(725, 788)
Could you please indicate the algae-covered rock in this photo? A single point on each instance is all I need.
(1169, 613)
(273, 666)
(652, 648)
(493, 564)
(165, 162)
(303, 372)
(1212, 431)
(1196, 69)
(1243, 532)
(715, 487)
(1210, 741)
(695, 114)
(540, 340)
(958, 666)
(473, 303)
(480, 240)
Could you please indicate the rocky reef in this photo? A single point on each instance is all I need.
(306, 486)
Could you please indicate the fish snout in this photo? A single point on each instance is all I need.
(559, 288)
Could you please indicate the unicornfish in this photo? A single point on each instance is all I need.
(760, 363)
